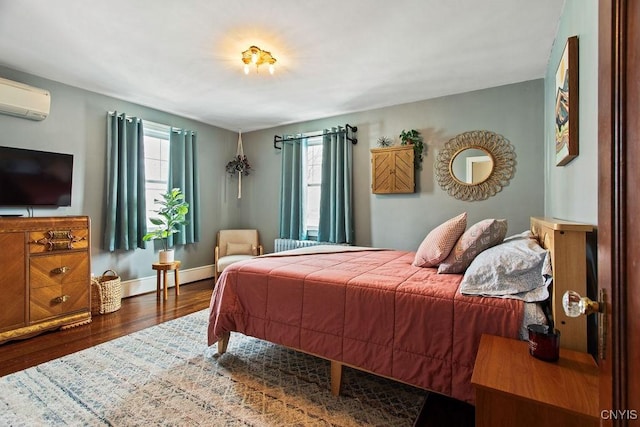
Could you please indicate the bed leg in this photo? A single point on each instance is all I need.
(223, 342)
(336, 377)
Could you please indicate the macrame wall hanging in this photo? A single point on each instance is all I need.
(239, 165)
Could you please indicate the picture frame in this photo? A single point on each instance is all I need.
(566, 109)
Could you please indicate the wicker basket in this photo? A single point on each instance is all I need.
(106, 293)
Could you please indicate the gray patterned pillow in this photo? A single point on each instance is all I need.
(477, 238)
(518, 268)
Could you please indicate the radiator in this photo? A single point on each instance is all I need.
(286, 244)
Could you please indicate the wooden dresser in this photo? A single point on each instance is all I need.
(44, 275)
(392, 170)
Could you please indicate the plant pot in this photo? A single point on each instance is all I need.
(166, 257)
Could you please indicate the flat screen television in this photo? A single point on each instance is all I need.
(35, 178)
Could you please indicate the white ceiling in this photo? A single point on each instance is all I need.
(334, 56)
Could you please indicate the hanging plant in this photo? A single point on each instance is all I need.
(413, 137)
(239, 164)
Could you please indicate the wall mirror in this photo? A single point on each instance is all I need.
(475, 165)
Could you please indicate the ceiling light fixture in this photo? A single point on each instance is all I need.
(255, 55)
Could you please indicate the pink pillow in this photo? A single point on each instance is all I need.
(439, 242)
(477, 238)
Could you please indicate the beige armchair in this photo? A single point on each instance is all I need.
(233, 246)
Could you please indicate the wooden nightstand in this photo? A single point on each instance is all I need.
(514, 388)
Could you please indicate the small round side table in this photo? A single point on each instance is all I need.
(164, 268)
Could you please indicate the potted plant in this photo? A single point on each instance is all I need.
(413, 137)
(239, 165)
(173, 211)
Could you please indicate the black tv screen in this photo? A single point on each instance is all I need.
(35, 178)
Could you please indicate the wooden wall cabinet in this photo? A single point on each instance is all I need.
(45, 275)
(392, 170)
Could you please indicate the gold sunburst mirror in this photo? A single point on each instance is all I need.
(475, 165)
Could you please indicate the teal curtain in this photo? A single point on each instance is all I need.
(336, 206)
(125, 221)
(183, 174)
(291, 190)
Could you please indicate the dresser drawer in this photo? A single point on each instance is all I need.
(44, 275)
(55, 300)
(58, 240)
(58, 269)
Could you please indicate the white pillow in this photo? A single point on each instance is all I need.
(518, 268)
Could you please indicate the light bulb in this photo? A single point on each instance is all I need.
(246, 68)
(272, 69)
(254, 57)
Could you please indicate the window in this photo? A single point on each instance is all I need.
(156, 164)
(312, 167)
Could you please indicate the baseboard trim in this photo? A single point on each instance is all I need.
(144, 285)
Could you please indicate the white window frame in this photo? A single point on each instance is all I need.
(310, 230)
(155, 132)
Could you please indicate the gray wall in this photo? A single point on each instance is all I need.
(402, 221)
(521, 112)
(571, 191)
(77, 125)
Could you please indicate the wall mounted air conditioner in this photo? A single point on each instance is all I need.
(20, 100)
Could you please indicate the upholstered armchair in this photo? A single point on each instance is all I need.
(233, 246)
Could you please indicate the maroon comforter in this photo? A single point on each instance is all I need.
(369, 309)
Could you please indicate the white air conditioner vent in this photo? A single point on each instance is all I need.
(20, 100)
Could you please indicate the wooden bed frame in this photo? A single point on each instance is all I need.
(566, 242)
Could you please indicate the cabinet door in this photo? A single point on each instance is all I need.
(403, 171)
(382, 165)
(12, 281)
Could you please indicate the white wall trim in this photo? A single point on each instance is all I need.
(144, 285)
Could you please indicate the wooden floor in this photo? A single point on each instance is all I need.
(146, 310)
(136, 313)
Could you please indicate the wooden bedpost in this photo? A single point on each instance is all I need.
(336, 377)
(223, 342)
(567, 243)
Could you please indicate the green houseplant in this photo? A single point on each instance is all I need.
(413, 137)
(172, 214)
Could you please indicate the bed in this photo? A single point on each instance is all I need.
(369, 309)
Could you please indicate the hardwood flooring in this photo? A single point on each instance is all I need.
(146, 310)
(136, 313)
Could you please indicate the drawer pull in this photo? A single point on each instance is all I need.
(60, 235)
(60, 270)
(61, 299)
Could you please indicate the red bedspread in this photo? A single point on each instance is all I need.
(368, 309)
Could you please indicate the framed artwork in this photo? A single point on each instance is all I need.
(566, 124)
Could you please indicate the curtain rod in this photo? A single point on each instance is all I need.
(161, 126)
(347, 127)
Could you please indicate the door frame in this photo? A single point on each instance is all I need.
(618, 176)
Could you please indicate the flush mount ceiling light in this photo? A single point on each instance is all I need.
(255, 55)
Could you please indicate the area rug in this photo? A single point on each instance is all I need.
(165, 375)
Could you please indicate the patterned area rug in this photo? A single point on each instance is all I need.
(165, 375)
